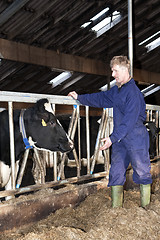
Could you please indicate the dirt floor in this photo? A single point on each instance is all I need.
(95, 219)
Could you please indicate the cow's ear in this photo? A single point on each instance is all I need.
(40, 110)
(43, 115)
(40, 105)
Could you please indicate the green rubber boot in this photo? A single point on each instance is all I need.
(117, 196)
(145, 191)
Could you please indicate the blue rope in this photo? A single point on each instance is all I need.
(22, 129)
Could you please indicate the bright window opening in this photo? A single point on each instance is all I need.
(100, 14)
(60, 78)
(105, 87)
(85, 24)
(106, 23)
(150, 90)
(152, 45)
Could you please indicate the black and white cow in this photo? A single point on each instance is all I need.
(40, 126)
(153, 132)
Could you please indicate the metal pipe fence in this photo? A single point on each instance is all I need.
(44, 159)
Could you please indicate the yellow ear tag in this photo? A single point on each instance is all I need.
(44, 124)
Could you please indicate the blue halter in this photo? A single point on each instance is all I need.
(23, 131)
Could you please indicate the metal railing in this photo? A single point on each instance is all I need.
(58, 174)
(105, 129)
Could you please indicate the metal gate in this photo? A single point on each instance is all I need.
(42, 158)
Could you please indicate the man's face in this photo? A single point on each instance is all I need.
(120, 74)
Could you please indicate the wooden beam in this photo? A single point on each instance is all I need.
(37, 207)
(22, 211)
(33, 55)
(147, 77)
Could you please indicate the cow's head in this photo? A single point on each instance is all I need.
(45, 130)
(153, 132)
(152, 129)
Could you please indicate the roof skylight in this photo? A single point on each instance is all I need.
(147, 39)
(85, 24)
(100, 14)
(60, 78)
(105, 87)
(106, 23)
(152, 45)
(95, 17)
(150, 90)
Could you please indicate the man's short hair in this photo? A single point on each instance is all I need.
(121, 61)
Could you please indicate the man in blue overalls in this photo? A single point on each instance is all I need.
(129, 139)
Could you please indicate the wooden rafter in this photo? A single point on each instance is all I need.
(33, 55)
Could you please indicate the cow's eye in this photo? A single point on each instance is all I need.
(52, 123)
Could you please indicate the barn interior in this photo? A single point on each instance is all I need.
(53, 47)
(39, 40)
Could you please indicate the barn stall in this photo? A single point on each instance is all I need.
(30, 205)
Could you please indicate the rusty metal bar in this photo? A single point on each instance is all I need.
(96, 152)
(21, 173)
(40, 165)
(71, 133)
(54, 156)
(106, 156)
(36, 187)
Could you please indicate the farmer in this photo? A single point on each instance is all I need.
(129, 139)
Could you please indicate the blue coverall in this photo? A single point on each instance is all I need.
(130, 139)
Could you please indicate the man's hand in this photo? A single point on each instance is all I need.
(107, 143)
(73, 94)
